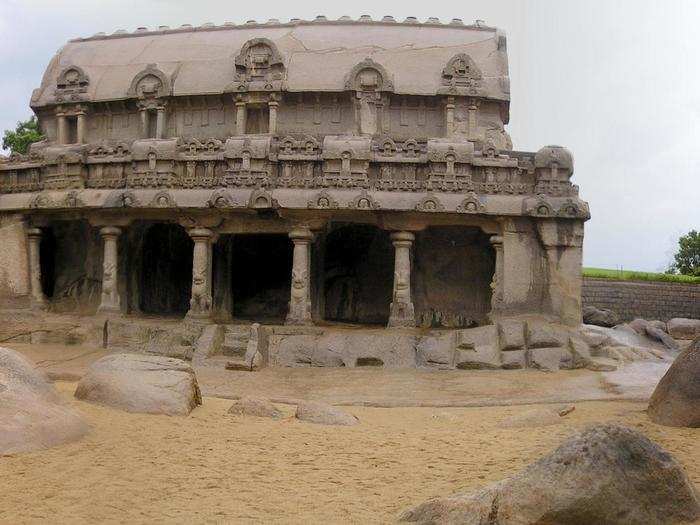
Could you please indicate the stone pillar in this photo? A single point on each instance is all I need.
(240, 117)
(450, 117)
(61, 128)
(38, 301)
(272, 126)
(402, 312)
(497, 281)
(109, 302)
(81, 128)
(200, 301)
(563, 240)
(300, 296)
(160, 122)
(144, 122)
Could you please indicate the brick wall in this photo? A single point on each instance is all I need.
(648, 300)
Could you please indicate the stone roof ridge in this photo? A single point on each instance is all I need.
(274, 22)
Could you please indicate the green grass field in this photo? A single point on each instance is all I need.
(626, 275)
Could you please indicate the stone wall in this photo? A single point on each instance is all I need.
(648, 300)
(14, 276)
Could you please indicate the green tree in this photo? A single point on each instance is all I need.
(25, 133)
(687, 258)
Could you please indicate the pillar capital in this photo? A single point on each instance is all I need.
(34, 232)
(496, 241)
(110, 231)
(200, 233)
(402, 238)
(301, 234)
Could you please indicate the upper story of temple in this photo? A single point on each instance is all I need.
(359, 108)
(404, 81)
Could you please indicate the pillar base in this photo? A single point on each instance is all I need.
(109, 310)
(402, 315)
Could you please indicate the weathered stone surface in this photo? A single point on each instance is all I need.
(322, 414)
(257, 407)
(478, 348)
(32, 415)
(682, 328)
(141, 383)
(653, 331)
(544, 335)
(676, 399)
(436, 350)
(600, 317)
(548, 359)
(514, 359)
(601, 364)
(512, 334)
(606, 474)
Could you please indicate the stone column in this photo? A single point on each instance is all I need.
(38, 301)
(300, 296)
(450, 117)
(240, 117)
(160, 122)
(200, 301)
(109, 302)
(144, 122)
(272, 126)
(61, 128)
(402, 312)
(80, 128)
(497, 281)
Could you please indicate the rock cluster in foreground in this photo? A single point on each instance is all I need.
(676, 399)
(32, 416)
(141, 383)
(606, 474)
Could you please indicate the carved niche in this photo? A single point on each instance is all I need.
(323, 201)
(471, 204)
(461, 76)
(151, 83)
(370, 82)
(71, 85)
(430, 204)
(259, 67)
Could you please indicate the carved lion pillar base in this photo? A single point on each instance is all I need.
(402, 312)
(300, 295)
(38, 301)
(201, 298)
(109, 302)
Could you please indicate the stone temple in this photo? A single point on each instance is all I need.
(350, 178)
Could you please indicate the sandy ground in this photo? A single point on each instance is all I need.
(213, 467)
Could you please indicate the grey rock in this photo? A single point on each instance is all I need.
(601, 364)
(661, 336)
(32, 415)
(141, 383)
(512, 334)
(436, 350)
(478, 348)
(548, 359)
(676, 399)
(257, 407)
(546, 335)
(514, 359)
(606, 474)
(683, 328)
(600, 317)
(322, 414)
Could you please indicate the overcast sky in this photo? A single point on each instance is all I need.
(618, 83)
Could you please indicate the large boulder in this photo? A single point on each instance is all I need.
(606, 474)
(682, 328)
(141, 383)
(32, 416)
(599, 316)
(676, 399)
(323, 414)
(654, 331)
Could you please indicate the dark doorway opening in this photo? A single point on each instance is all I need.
(262, 270)
(47, 262)
(358, 274)
(166, 270)
(452, 271)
